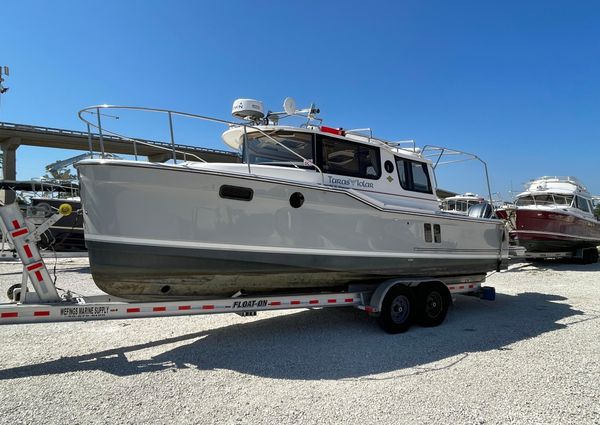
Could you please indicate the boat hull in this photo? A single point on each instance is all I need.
(142, 271)
(540, 230)
(193, 242)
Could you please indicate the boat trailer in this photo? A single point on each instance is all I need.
(397, 303)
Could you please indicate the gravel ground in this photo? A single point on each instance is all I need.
(532, 356)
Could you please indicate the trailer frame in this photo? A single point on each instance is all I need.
(581, 255)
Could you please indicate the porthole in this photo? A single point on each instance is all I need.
(389, 166)
(296, 200)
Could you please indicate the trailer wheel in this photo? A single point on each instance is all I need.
(590, 256)
(397, 310)
(432, 304)
(11, 290)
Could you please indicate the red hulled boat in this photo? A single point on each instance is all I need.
(554, 214)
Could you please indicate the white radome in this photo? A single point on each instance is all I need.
(248, 109)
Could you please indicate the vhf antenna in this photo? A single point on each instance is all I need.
(3, 71)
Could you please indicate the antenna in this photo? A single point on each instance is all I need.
(289, 106)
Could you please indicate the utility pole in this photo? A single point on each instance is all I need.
(8, 148)
(3, 71)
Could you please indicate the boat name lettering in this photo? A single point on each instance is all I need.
(252, 303)
(349, 182)
(84, 311)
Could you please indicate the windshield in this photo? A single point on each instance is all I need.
(459, 205)
(261, 149)
(549, 199)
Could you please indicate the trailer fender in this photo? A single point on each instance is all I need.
(373, 306)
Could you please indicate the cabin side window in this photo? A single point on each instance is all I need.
(350, 159)
(413, 175)
(284, 149)
(448, 205)
(582, 204)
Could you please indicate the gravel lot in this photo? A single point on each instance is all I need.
(532, 356)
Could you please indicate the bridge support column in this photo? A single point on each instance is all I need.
(9, 166)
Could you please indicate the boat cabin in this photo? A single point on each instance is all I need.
(556, 192)
(346, 160)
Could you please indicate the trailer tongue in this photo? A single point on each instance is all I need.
(396, 302)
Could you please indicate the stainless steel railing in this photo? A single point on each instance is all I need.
(438, 155)
(95, 110)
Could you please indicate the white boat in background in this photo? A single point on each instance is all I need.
(308, 207)
(460, 204)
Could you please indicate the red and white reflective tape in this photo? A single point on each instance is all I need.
(27, 250)
(159, 309)
(13, 314)
(35, 266)
(312, 302)
(461, 287)
(189, 307)
(19, 232)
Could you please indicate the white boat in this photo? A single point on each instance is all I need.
(460, 204)
(308, 207)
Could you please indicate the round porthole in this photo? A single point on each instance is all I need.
(296, 200)
(389, 167)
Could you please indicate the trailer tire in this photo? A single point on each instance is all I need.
(11, 291)
(397, 310)
(590, 256)
(433, 300)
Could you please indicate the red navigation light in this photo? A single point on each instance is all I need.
(339, 131)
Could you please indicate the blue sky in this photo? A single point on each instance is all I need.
(517, 82)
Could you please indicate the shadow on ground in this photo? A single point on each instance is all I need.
(332, 343)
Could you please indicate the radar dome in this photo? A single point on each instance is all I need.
(248, 109)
